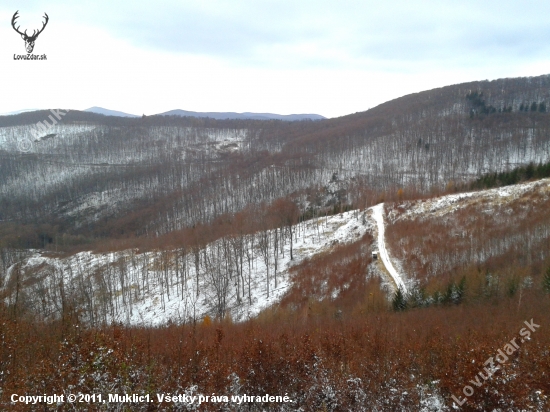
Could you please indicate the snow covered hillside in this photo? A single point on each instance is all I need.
(240, 275)
(496, 232)
(441, 206)
(89, 170)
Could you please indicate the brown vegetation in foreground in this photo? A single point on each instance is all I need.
(371, 361)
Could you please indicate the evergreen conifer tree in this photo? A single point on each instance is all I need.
(399, 301)
(546, 281)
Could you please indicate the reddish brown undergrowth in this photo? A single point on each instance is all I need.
(363, 361)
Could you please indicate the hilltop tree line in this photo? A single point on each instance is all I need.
(480, 107)
(103, 177)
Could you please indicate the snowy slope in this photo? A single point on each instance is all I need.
(493, 228)
(155, 287)
(146, 288)
(447, 204)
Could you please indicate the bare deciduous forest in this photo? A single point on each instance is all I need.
(169, 254)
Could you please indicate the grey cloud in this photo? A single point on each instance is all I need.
(398, 31)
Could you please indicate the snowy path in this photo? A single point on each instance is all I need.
(378, 215)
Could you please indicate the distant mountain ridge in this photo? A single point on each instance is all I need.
(107, 112)
(18, 112)
(215, 115)
(245, 115)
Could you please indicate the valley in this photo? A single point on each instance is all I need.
(368, 262)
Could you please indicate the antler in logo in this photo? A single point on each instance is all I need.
(29, 40)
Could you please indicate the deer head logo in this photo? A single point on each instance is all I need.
(29, 40)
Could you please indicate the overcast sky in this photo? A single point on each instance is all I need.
(330, 58)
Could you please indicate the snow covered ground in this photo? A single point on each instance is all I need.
(443, 205)
(155, 287)
(232, 275)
